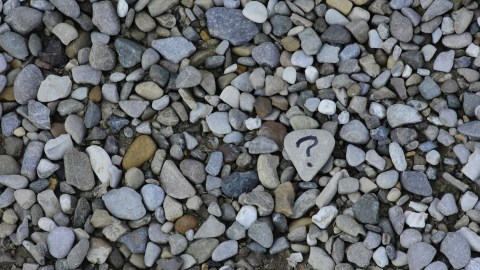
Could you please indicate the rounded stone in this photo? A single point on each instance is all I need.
(141, 150)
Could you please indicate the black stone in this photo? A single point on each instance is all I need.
(239, 182)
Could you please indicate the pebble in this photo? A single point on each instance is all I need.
(220, 19)
(60, 241)
(26, 83)
(399, 115)
(124, 203)
(53, 88)
(225, 250)
(105, 18)
(416, 183)
(255, 11)
(141, 150)
(174, 183)
(174, 49)
(456, 249)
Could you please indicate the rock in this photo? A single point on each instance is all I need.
(322, 143)
(455, 247)
(141, 150)
(65, 32)
(444, 61)
(284, 199)
(78, 253)
(153, 196)
(401, 27)
(266, 54)
(14, 181)
(202, 249)
(429, 88)
(359, 254)
(397, 156)
(99, 251)
(447, 205)
(419, 262)
(105, 18)
(185, 223)
(78, 171)
(39, 114)
(225, 250)
(189, 77)
(366, 209)
(218, 123)
(56, 148)
(457, 41)
(26, 84)
(158, 7)
(67, 7)
(31, 158)
(60, 241)
(399, 115)
(53, 88)
(239, 182)
(129, 52)
(336, 34)
(325, 216)
(101, 163)
(387, 179)
(8, 165)
(101, 57)
(255, 12)
(319, 259)
(355, 132)
(349, 225)
(267, 170)
(174, 183)
(438, 7)
(124, 203)
(174, 49)
(261, 233)
(14, 44)
(133, 108)
(416, 182)
(210, 228)
(246, 216)
(220, 21)
(136, 241)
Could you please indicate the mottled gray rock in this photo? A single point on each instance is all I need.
(31, 158)
(27, 83)
(225, 250)
(429, 88)
(174, 183)
(359, 254)
(60, 241)
(129, 52)
(416, 182)
(416, 261)
(24, 20)
(105, 18)
(401, 27)
(400, 114)
(438, 7)
(231, 25)
(14, 44)
(261, 233)
(355, 132)
(78, 171)
(39, 114)
(136, 241)
(67, 7)
(366, 209)
(174, 49)
(457, 250)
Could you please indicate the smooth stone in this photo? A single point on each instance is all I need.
(355, 132)
(78, 171)
(26, 84)
(266, 54)
(366, 209)
(322, 143)
(457, 250)
(101, 163)
(56, 148)
(129, 52)
(417, 262)
(225, 250)
(457, 41)
(124, 203)
(136, 241)
(67, 7)
(140, 151)
(238, 183)
(31, 158)
(255, 11)
(325, 216)
(401, 27)
(387, 179)
(261, 233)
(400, 114)
(416, 183)
(174, 183)
(24, 20)
(105, 18)
(438, 7)
(153, 196)
(210, 228)
(358, 254)
(60, 241)
(14, 44)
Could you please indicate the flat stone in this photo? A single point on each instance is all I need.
(266, 54)
(78, 171)
(24, 20)
(100, 162)
(67, 7)
(416, 183)
(129, 52)
(400, 114)
(174, 49)
(101, 57)
(14, 44)
(225, 250)
(189, 77)
(457, 250)
(319, 259)
(366, 209)
(136, 241)
(210, 228)
(255, 11)
(438, 7)
(53, 88)
(220, 21)
(39, 114)
(429, 88)
(355, 132)
(359, 254)
(31, 158)
(238, 183)
(174, 183)
(124, 203)
(26, 84)
(444, 61)
(325, 216)
(56, 148)
(313, 154)
(261, 233)
(401, 27)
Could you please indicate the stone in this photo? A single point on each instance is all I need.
(387, 179)
(447, 205)
(210, 228)
(444, 61)
(358, 254)
(174, 183)
(457, 41)
(400, 114)
(174, 49)
(101, 57)
(419, 262)
(141, 150)
(105, 18)
(220, 21)
(366, 209)
(152, 196)
(218, 123)
(355, 132)
(296, 145)
(401, 27)
(267, 170)
(100, 162)
(256, 12)
(397, 156)
(457, 250)
(136, 241)
(53, 88)
(261, 233)
(325, 216)
(438, 7)
(238, 183)
(225, 250)
(14, 44)
(99, 251)
(124, 203)
(26, 84)
(129, 52)
(65, 32)
(56, 148)
(284, 199)
(78, 253)
(319, 259)
(78, 171)
(266, 54)
(60, 241)
(429, 88)
(31, 158)
(416, 182)
(68, 7)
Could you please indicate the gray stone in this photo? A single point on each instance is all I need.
(27, 83)
(189, 77)
(101, 57)
(78, 253)
(310, 41)
(230, 24)
(86, 74)
(225, 250)
(210, 228)
(60, 241)
(355, 132)
(129, 52)
(24, 20)
(174, 183)
(416, 183)
(14, 44)
(471, 128)
(309, 160)
(158, 7)
(78, 171)
(67, 7)
(447, 205)
(174, 49)
(457, 250)
(336, 34)
(136, 241)
(266, 54)
(444, 61)
(401, 27)
(31, 158)
(153, 196)
(438, 7)
(9, 123)
(416, 262)
(366, 209)
(457, 41)
(39, 114)
(261, 233)
(280, 24)
(8, 165)
(105, 18)
(359, 254)
(400, 114)
(124, 203)
(429, 88)
(75, 127)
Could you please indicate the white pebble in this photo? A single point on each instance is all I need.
(380, 257)
(468, 200)
(415, 220)
(253, 123)
(289, 75)
(246, 216)
(311, 74)
(255, 11)
(343, 117)
(433, 157)
(325, 216)
(327, 107)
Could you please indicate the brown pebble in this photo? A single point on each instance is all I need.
(140, 151)
(263, 106)
(95, 94)
(273, 130)
(7, 94)
(185, 223)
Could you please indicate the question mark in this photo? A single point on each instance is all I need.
(308, 138)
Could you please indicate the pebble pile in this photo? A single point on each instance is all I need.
(240, 134)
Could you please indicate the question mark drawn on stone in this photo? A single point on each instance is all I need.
(308, 138)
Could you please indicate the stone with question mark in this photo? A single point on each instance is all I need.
(309, 150)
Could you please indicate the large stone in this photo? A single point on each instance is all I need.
(416, 183)
(78, 171)
(27, 83)
(174, 183)
(105, 18)
(174, 49)
(231, 25)
(400, 114)
(24, 20)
